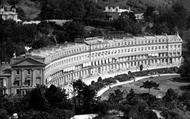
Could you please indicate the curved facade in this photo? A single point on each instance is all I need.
(100, 56)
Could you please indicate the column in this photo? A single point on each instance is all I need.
(22, 77)
(33, 78)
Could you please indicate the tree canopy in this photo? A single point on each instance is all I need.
(149, 84)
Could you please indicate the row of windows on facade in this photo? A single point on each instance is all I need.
(131, 58)
(135, 57)
(28, 71)
(122, 59)
(114, 44)
(26, 82)
(132, 64)
(22, 91)
(123, 50)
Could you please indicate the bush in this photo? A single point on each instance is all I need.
(97, 86)
(61, 114)
(3, 114)
(171, 95)
(122, 77)
(99, 79)
(109, 81)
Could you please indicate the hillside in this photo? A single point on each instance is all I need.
(30, 8)
(140, 5)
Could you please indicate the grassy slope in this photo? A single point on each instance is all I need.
(31, 9)
(165, 82)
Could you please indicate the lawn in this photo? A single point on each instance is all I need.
(165, 82)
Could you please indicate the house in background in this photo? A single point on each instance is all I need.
(7, 12)
(139, 16)
(113, 13)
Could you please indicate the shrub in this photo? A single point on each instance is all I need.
(109, 81)
(171, 95)
(3, 114)
(122, 77)
(99, 79)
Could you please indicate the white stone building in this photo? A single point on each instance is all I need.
(99, 56)
(8, 13)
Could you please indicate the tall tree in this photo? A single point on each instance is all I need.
(84, 97)
(116, 96)
(150, 84)
(56, 96)
(37, 100)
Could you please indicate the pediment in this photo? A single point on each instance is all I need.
(29, 62)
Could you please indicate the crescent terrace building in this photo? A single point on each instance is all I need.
(99, 56)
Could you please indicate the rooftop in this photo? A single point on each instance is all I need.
(44, 52)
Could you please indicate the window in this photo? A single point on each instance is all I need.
(17, 72)
(18, 91)
(1, 82)
(27, 82)
(29, 71)
(38, 80)
(16, 83)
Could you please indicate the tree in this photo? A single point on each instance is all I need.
(56, 97)
(73, 30)
(99, 79)
(84, 98)
(127, 25)
(141, 111)
(61, 114)
(131, 75)
(188, 23)
(116, 96)
(181, 15)
(37, 100)
(149, 11)
(92, 82)
(149, 84)
(32, 114)
(170, 95)
(3, 114)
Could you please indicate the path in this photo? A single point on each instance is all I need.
(101, 91)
